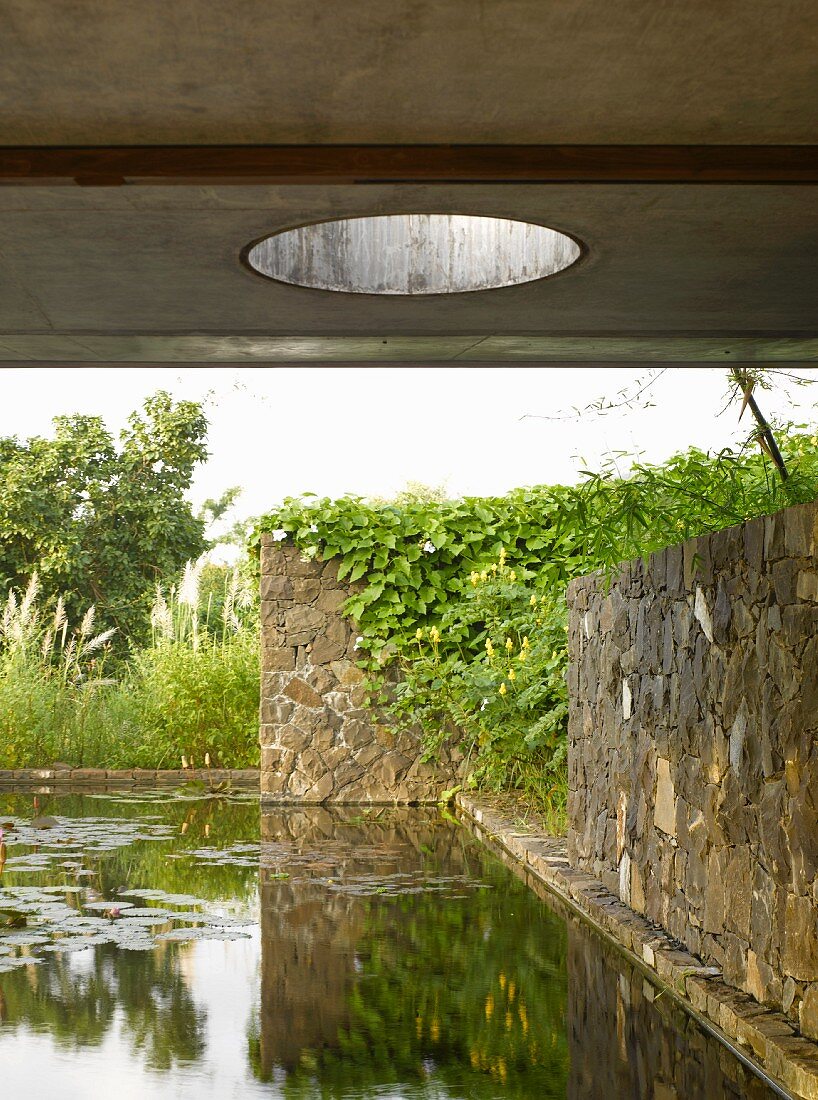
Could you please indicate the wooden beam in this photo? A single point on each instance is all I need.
(113, 165)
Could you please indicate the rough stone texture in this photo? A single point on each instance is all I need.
(700, 797)
(319, 742)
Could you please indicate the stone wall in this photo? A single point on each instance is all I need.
(693, 760)
(319, 742)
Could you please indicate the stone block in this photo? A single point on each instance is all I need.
(303, 622)
(785, 578)
(275, 588)
(301, 692)
(333, 642)
(304, 590)
(347, 673)
(331, 600)
(808, 1012)
(714, 897)
(278, 659)
(798, 530)
(762, 981)
(800, 955)
(275, 712)
(664, 814)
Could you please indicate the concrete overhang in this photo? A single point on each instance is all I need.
(693, 187)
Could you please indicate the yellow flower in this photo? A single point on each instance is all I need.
(474, 577)
(523, 655)
(489, 648)
(484, 576)
(502, 554)
(533, 601)
(418, 633)
(512, 675)
(512, 576)
(494, 567)
(489, 1007)
(509, 644)
(434, 634)
(526, 642)
(503, 689)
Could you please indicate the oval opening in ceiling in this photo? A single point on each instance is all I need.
(412, 254)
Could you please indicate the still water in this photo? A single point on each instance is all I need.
(157, 947)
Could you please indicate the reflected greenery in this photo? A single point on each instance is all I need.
(198, 821)
(77, 1007)
(460, 989)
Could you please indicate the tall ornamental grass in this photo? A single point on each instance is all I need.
(192, 692)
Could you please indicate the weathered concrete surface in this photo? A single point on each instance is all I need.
(681, 273)
(766, 1037)
(319, 741)
(693, 760)
(111, 71)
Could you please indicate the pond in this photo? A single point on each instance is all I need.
(156, 946)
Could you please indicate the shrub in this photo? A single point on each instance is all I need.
(192, 691)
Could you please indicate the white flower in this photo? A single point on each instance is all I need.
(429, 547)
(314, 528)
(484, 704)
(279, 535)
(358, 641)
(189, 588)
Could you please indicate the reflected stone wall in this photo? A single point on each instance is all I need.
(319, 742)
(309, 931)
(694, 749)
(629, 1043)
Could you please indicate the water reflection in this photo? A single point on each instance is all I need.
(395, 957)
(77, 1006)
(452, 992)
(387, 959)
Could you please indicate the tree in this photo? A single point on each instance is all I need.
(102, 524)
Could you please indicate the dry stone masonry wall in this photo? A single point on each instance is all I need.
(694, 749)
(319, 742)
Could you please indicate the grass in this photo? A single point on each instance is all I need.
(192, 691)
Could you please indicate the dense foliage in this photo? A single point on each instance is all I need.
(102, 524)
(467, 596)
(191, 691)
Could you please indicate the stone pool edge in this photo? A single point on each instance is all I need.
(760, 1036)
(127, 777)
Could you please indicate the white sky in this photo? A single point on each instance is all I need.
(281, 431)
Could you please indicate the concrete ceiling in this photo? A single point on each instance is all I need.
(486, 71)
(109, 268)
(673, 272)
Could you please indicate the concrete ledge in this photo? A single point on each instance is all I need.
(764, 1039)
(143, 777)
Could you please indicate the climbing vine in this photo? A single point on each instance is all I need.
(466, 596)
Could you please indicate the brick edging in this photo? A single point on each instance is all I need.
(245, 777)
(764, 1038)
